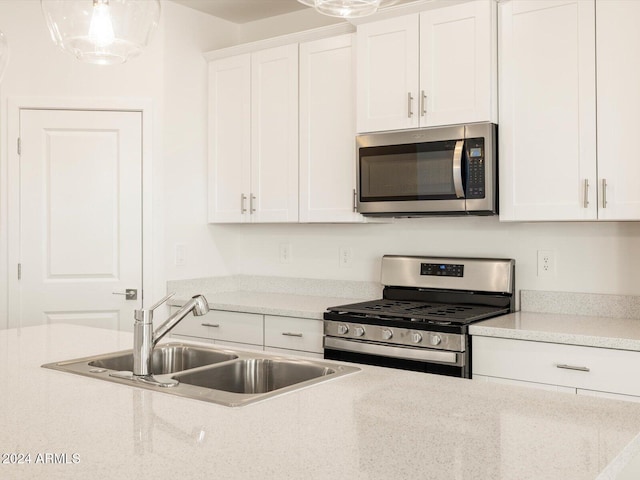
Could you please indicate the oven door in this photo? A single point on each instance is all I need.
(454, 364)
(411, 171)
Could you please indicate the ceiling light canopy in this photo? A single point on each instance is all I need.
(347, 8)
(103, 32)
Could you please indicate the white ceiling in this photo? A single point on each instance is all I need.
(243, 11)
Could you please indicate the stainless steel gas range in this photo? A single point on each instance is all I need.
(422, 321)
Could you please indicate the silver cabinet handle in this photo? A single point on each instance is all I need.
(355, 200)
(409, 105)
(585, 201)
(214, 325)
(129, 294)
(289, 334)
(457, 169)
(243, 203)
(423, 103)
(572, 367)
(251, 207)
(604, 193)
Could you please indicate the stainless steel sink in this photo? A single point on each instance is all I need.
(255, 375)
(166, 359)
(211, 374)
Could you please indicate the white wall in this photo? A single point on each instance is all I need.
(170, 73)
(590, 257)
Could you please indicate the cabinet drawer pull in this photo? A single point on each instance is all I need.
(423, 104)
(409, 105)
(604, 193)
(572, 367)
(214, 325)
(290, 334)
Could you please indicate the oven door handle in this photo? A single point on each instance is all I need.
(419, 354)
(457, 169)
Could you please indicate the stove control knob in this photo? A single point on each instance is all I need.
(387, 334)
(435, 340)
(358, 331)
(343, 329)
(416, 337)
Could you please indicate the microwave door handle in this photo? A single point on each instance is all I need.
(457, 169)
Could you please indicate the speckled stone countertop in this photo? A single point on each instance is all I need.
(376, 424)
(290, 297)
(592, 320)
(619, 333)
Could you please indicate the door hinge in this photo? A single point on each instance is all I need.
(19, 271)
(19, 147)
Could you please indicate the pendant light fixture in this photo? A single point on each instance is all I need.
(103, 32)
(347, 8)
(4, 54)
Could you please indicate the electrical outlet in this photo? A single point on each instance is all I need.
(285, 253)
(181, 255)
(546, 263)
(345, 257)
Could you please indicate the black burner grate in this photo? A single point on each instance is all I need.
(421, 311)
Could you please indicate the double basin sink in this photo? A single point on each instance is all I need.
(226, 377)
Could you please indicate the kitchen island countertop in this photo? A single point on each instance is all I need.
(376, 424)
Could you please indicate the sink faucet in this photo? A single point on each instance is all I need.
(145, 339)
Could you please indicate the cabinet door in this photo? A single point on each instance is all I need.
(618, 106)
(327, 131)
(229, 139)
(387, 72)
(547, 110)
(274, 136)
(458, 64)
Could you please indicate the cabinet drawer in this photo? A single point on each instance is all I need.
(234, 326)
(191, 326)
(293, 333)
(590, 368)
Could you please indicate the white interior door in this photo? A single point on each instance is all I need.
(80, 217)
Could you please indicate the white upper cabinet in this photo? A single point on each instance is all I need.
(327, 131)
(547, 110)
(551, 167)
(433, 68)
(618, 74)
(458, 65)
(274, 135)
(253, 138)
(229, 138)
(387, 69)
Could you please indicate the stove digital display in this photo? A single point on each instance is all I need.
(442, 269)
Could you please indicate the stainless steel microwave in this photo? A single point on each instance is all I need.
(432, 171)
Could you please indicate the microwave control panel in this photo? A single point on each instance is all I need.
(475, 171)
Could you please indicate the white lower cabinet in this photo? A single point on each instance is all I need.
(290, 335)
(577, 369)
(221, 326)
(293, 335)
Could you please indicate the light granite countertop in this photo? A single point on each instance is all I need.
(591, 331)
(284, 296)
(266, 303)
(376, 424)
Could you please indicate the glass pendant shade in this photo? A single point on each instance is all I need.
(4, 54)
(103, 32)
(347, 8)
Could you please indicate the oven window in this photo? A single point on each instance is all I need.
(407, 172)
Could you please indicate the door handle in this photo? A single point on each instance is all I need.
(423, 104)
(457, 169)
(604, 193)
(129, 294)
(243, 199)
(409, 105)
